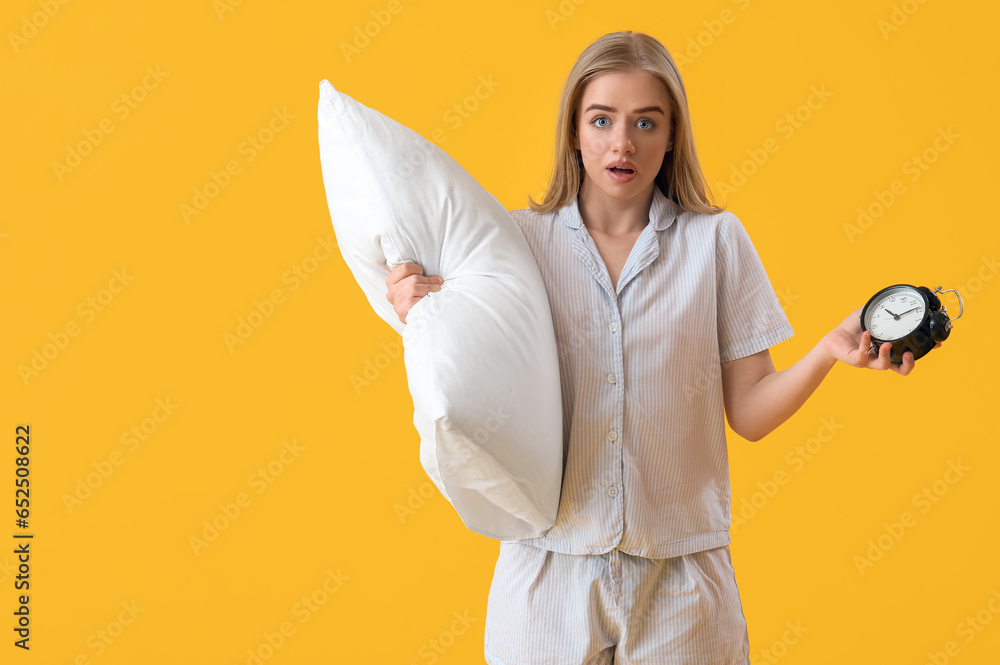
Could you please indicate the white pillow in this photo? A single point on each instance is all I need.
(480, 354)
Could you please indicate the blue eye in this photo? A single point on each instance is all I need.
(648, 122)
(597, 120)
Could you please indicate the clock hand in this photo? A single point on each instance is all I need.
(907, 312)
(895, 316)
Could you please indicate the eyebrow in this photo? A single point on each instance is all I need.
(611, 109)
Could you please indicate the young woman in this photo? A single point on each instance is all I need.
(663, 316)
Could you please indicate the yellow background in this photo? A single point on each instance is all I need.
(398, 578)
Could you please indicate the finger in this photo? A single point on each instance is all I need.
(401, 271)
(908, 364)
(406, 311)
(410, 276)
(408, 303)
(404, 270)
(404, 306)
(418, 280)
(865, 358)
(866, 338)
(417, 290)
(864, 346)
(883, 361)
(407, 294)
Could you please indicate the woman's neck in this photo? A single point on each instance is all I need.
(612, 216)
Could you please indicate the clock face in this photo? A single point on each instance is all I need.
(895, 313)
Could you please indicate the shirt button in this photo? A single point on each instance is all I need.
(612, 491)
(611, 378)
(613, 435)
(613, 326)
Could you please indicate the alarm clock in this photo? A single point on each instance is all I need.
(911, 317)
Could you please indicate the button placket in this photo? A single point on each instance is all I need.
(614, 326)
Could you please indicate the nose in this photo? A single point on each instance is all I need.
(622, 142)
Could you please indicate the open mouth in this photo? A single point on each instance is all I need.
(619, 169)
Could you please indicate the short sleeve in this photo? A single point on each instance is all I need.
(750, 318)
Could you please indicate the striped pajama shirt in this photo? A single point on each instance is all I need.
(637, 565)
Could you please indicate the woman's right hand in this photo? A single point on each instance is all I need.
(407, 285)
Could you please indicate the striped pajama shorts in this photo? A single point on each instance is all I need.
(548, 608)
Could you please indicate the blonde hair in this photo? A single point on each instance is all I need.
(680, 177)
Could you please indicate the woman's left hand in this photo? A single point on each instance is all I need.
(849, 344)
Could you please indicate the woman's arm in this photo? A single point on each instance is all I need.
(758, 398)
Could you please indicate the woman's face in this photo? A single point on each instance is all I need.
(623, 117)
